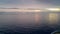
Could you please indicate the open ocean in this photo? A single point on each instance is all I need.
(29, 22)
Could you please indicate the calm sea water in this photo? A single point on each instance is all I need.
(29, 22)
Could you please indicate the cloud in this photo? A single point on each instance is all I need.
(53, 2)
(29, 3)
(17, 1)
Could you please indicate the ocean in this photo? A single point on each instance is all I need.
(29, 22)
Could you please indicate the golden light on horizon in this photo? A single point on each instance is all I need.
(26, 10)
(31, 10)
(53, 9)
(37, 10)
(20, 10)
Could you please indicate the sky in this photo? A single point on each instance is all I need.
(29, 3)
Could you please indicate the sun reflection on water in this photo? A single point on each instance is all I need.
(36, 17)
(53, 18)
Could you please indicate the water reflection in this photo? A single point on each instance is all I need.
(37, 18)
(27, 22)
(53, 18)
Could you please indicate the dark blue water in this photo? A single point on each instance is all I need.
(29, 22)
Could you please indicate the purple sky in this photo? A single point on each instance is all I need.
(30, 3)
